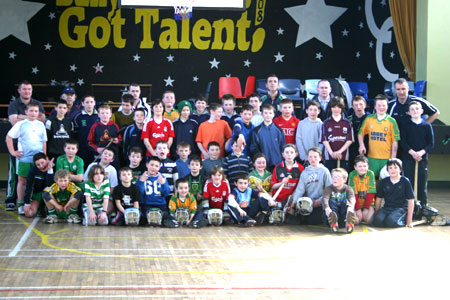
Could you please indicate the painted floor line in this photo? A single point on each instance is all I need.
(136, 255)
(145, 249)
(149, 287)
(24, 238)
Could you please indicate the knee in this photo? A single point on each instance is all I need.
(378, 220)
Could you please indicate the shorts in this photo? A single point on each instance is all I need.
(37, 197)
(376, 164)
(62, 214)
(23, 168)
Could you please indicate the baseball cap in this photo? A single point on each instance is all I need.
(68, 90)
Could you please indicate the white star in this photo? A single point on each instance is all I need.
(359, 7)
(247, 63)
(14, 17)
(406, 71)
(51, 15)
(169, 81)
(195, 79)
(53, 82)
(227, 75)
(98, 68)
(319, 55)
(136, 57)
(392, 54)
(12, 55)
(340, 77)
(279, 57)
(280, 31)
(80, 81)
(13, 98)
(48, 46)
(369, 76)
(214, 63)
(170, 57)
(370, 44)
(73, 68)
(345, 32)
(34, 70)
(383, 2)
(358, 54)
(361, 25)
(314, 20)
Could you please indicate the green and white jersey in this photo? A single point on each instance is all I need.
(98, 195)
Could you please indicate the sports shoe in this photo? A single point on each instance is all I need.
(74, 218)
(333, 221)
(50, 219)
(171, 223)
(250, 223)
(261, 217)
(21, 210)
(350, 222)
(198, 224)
(10, 206)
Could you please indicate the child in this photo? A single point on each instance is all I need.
(124, 117)
(337, 135)
(168, 167)
(126, 195)
(229, 114)
(313, 181)
(96, 195)
(309, 130)
(185, 129)
(72, 163)
(157, 129)
(216, 192)
(132, 134)
(201, 114)
(237, 162)
(183, 151)
(359, 114)
(214, 129)
(417, 139)
(260, 178)
(154, 189)
(40, 176)
(273, 96)
(195, 179)
(184, 200)
(213, 158)
(255, 102)
(170, 112)
(32, 139)
(287, 121)
(339, 202)
(268, 138)
(62, 199)
(106, 159)
(383, 136)
(136, 165)
(398, 195)
(59, 130)
(362, 180)
(243, 129)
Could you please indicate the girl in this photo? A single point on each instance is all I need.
(96, 193)
(260, 178)
(216, 191)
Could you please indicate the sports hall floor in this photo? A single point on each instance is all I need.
(66, 261)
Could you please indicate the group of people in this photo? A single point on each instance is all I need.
(193, 163)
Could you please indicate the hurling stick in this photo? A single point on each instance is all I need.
(279, 189)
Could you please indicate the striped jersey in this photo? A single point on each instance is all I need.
(234, 165)
(97, 194)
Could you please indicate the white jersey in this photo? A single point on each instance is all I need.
(31, 137)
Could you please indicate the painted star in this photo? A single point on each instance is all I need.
(34, 70)
(247, 63)
(345, 32)
(279, 57)
(16, 14)
(358, 54)
(98, 68)
(53, 82)
(370, 44)
(340, 78)
(369, 76)
(48, 46)
(406, 71)
(13, 97)
(314, 20)
(392, 54)
(170, 57)
(227, 75)
(195, 79)
(319, 55)
(12, 55)
(214, 63)
(169, 81)
(51, 15)
(136, 57)
(80, 81)
(383, 2)
(361, 25)
(359, 7)
(73, 68)
(280, 31)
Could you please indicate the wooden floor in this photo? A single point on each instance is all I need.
(66, 261)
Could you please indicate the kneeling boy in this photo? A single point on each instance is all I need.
(183, 206)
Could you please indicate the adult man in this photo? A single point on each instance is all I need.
(16, 112)
(69, 95)
(135, 90)
(324, 96)
(273, 96)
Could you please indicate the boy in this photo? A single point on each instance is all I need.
(59, 129)
(268, 138)
(255, 102)
(62, 199)
(168, 167)
(237, 162)
(200, 114)
(170, 112)
(362, 181)
(124, 117)
(154, 189)
(213, 160)
(287, 121)
(82, 126)
(337, 135)
(273, 96)
(398, 195)
(136, 166)
(126, 195)
(417, 139)
(214, 129)
(383, 136)
(338, 202)
(40, 176)
(183, 201)
(32, 139)
(243, 128)
(359, 114)
(185, 129)
(157, 129)
(260, 178)
(183, 151)
(72, 163)
(106, 159)
(195, 179)
(132, 134)
(309, 130)
(229, 114)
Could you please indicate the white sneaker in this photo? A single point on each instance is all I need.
(74, 218)
(50, 219)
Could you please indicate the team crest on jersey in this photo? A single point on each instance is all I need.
(105, 136)
(282, 175)
(224, 193)
(165, 129)
(371, 126)
(190, 131)
(344, 130)
(330, 129)
(74, 168)
(83, 123)
(385, 129)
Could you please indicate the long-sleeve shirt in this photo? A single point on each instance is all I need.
(37, 181)
(308, 136)
(416, 136)
(268, 140)
(331, 193)
(313, 181)
(152, 192)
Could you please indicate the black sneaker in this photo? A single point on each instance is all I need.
(250, 223)
(10, 206)
(171, 223)
(198, 224)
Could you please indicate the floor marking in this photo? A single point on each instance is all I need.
(10, 223)
(147, 287)
(24, 238)
(58, 231)
(136, 255)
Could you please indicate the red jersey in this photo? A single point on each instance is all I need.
(280, 172)
(216, 195)
(289, 127)
(157, 132)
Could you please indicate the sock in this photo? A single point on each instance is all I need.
(73, 211)
(52, 212)
(20, 203)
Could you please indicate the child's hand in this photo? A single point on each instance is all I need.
(362, 149)
(242, 212)
(50, 164)
(27, 209)
(316, 203)
(206, 155)
(102, 217)
(328, 211)
(259, 187)
(67, 208)
(115, 140)
(17, 154)
(161, 179)
(285, 180)
(58, 207)
(271, 202)
(92, 217)
(143, 177)
(100, 150)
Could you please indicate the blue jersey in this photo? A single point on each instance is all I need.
(152, 192)
(31, 137)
